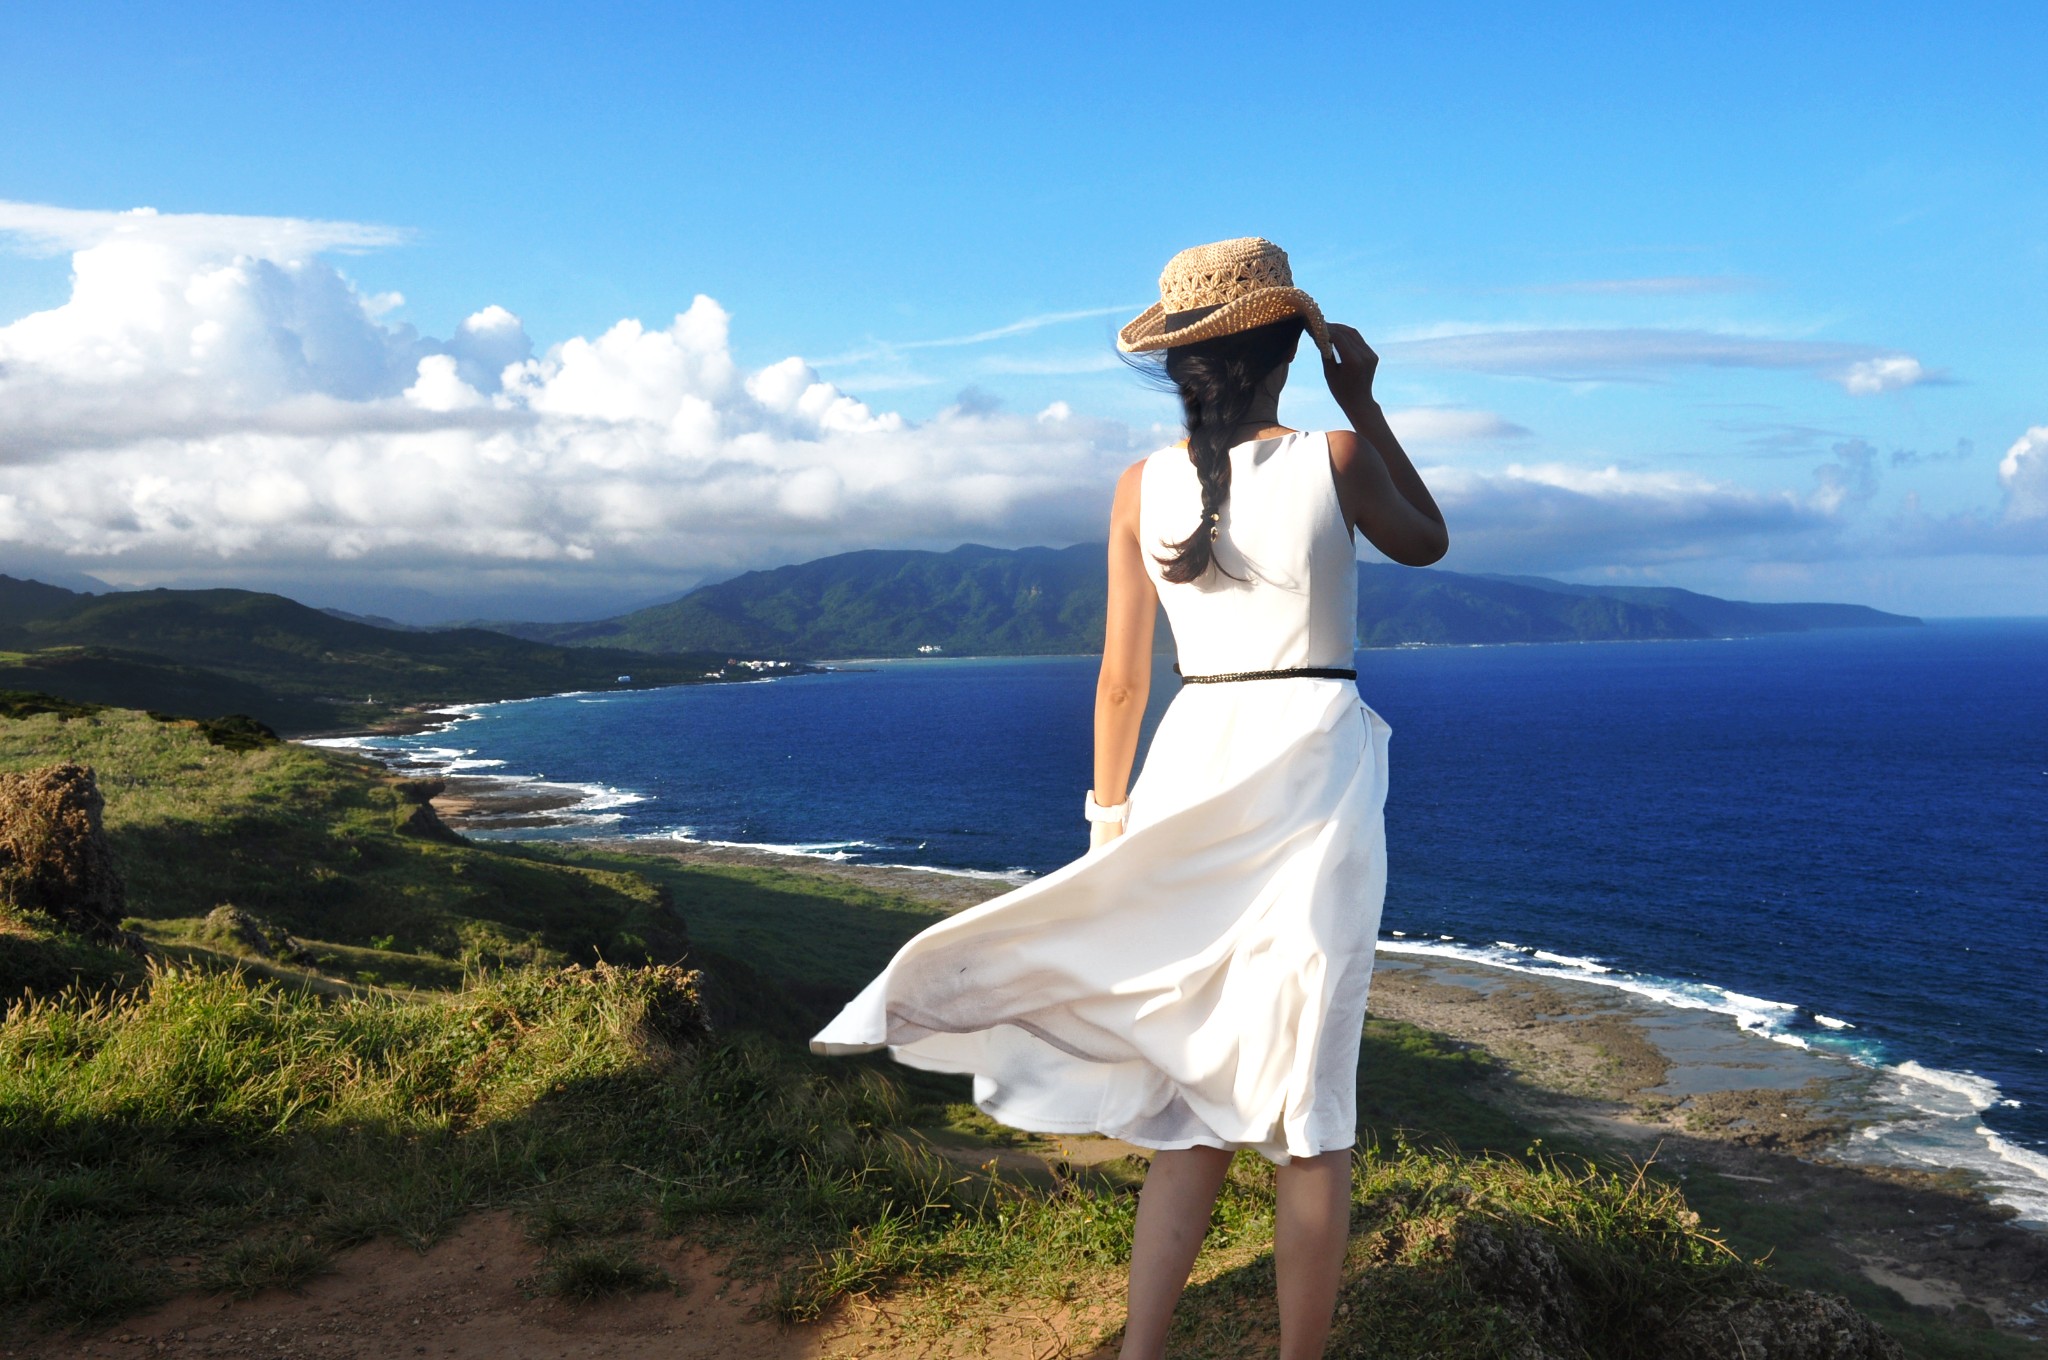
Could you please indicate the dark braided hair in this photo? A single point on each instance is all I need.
(1216, 381)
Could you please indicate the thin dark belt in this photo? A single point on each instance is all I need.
(1311, 672)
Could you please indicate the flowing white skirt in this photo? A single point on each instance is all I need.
(1199, 981)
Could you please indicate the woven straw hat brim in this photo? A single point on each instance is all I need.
(1260, 307)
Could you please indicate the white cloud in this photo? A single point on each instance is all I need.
(196, 400)
(41, 228)
(1886, 374)
(217, 401)
(2023, 472)
(1634, 353)
(1450, 424)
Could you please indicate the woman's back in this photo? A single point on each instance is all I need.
(1284, 591)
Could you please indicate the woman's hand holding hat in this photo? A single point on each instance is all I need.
(1349, 369)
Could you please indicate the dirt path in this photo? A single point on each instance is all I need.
(468, 1297)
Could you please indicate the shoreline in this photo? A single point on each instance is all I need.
(1741, 1121)
(480, 800)
(1752, 1128)
(1759, 1132)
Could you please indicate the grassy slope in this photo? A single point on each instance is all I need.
(309, 840)
(208, 652)
(255, 1128)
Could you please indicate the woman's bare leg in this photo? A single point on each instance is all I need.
(1309, 1240)
(1173, 1218)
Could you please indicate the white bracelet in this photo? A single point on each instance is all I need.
(1096, 812)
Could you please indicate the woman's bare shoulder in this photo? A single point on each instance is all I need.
(1129, 486)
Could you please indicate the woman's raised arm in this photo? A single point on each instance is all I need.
(1382, 492)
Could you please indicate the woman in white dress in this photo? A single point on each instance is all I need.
(1196, 983)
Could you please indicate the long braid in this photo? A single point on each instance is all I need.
(1217, 381)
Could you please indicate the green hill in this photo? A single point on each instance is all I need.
(208, 652)
(990, 601)
(1034, 601)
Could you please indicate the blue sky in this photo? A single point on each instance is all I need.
(1723, 297)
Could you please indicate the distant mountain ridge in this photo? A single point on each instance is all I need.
(985, 601)
(205, 653)
(878, 602)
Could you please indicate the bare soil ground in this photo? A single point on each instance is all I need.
(471, 1297)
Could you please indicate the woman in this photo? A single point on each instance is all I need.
(1197, 982)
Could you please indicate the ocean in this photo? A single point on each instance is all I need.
(1838, 838)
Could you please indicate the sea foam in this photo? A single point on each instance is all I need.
(1923, 1117)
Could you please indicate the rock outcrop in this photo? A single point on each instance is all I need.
(245, 932)
(54, 855)
(1801, 1325)
(1548, 1299)
(421, 820)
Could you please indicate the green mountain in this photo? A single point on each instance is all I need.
(1400, 605)
(1034, 601)
(987, 601)
(208, 652)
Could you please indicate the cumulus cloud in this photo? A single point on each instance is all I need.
(1887, 373)
(209, 394)
(217, 400)
(2023, 472)
(1634, 353)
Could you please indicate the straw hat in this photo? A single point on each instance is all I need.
(1222, 289)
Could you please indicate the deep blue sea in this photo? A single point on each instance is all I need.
(1840, 838)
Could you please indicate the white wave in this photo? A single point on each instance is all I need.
(1938, 1091)
(1935, 1126)
(425, 755)
(1017, 876)
(1572, 961)
(1752, 1013)
(1829, 1022)
(599, 797)
(837, 852)
(1928, 1117)
(1757, 1015)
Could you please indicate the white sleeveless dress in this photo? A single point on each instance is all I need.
(1201, 980)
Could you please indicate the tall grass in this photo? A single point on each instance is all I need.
(255, 1128)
